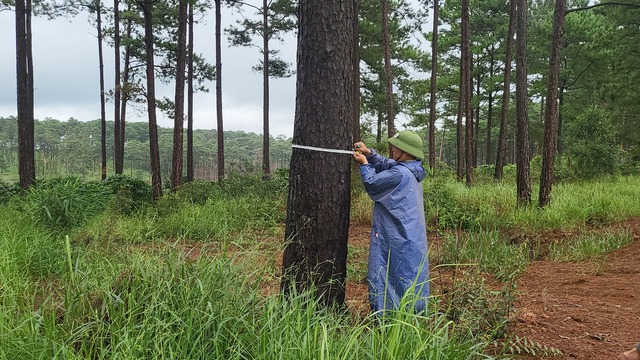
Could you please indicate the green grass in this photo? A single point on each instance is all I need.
(164, 307)
(489, 206)
(589, 246)
(125, 286)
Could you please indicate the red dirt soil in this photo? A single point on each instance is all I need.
(584, 314)
(586, 310)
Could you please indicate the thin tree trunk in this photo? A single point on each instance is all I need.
(559, 139)
(489, 146)
(467, 84)
(551, 111)
(190, 170)
(24, 81)
(154, 152)
(317, 222)
(118, 161)
(501, 153)
(219, 93)
(266, 167)
(379, 128)
(103, 114)
(178, 124)
(476, 123)
(125, 90)
(432, 101)
(459, 129)
(522, 129)
(387, 69)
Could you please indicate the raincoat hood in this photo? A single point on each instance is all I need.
(416, 169)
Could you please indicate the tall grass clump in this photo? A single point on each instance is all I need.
(589, 246)
(156, 308)
(210, 211)
(28, 250)
(297, 327)
(220, 219)
(488, 251)
(64, 203)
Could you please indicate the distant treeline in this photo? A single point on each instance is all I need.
(72, 147)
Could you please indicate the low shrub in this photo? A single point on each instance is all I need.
(130, 194)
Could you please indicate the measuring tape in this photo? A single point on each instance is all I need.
(313, 148)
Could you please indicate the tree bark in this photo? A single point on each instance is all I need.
(220, 129)
(388, 75)
(178, 123)
(356, 69)
(501, 153)
(522, 129)
(551, 110)
(154, 152)
(317, 222)
(434, 73)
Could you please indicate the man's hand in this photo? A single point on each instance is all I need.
(360, 158)
(360, 146)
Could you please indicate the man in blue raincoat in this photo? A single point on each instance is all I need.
(398, 260)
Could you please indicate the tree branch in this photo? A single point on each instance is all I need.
(636, 6)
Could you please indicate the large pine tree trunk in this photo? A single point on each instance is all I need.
(154, 151)
(551, 110)
(24, 81)
(220, 130)
(266, 167)
(501, 153)
(432, 102)
(317, 222)
(522, 125)
(178, 123)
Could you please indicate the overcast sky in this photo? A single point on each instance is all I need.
(66, 78)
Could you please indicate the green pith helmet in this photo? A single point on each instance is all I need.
(409, 142)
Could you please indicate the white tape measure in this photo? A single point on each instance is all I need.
(313, 148)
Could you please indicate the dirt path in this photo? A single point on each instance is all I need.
(587, 312)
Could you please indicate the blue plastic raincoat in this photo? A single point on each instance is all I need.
(398, 251)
